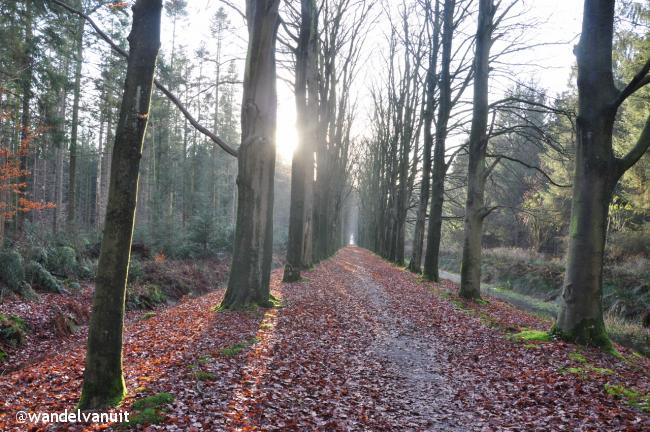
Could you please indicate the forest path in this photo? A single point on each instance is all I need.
(358, 345)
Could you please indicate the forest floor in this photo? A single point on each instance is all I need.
(359, 344)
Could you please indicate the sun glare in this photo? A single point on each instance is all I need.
(286, 136)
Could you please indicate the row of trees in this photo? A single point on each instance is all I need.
(94, 167)
(331, 61)
(509, 155)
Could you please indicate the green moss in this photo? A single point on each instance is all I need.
(204, 359)
(589, 332)
(202, 375)
(154, 401)
(275, 302)
(575, 370)
(146, 416)
(531, 346)
(148, 315)
(632, 397)
(233, 350)
(533, 336)
(577, 357)
(102, 395)
(13, 330)
(602, 371)
(3, 355)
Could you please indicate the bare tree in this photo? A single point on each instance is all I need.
(477, 171)
(428, 114)
(597, 171)
(250, 271)
(103, 378)
(302, 168)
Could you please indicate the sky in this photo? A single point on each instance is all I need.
(548, 65)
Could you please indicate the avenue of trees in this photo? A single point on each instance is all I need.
(103, 135)
(516, 157)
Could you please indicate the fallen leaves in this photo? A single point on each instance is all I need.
(358, 345)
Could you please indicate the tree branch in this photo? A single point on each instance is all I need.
(538, 169)
(221, 143)
(639, 149)
(640, 79)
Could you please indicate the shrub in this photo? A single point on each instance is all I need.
(145, 297)
(62, 261)
(37, 275)
(13, 330)
(628, 243)
(12, 274)
(39, 255)
(135, 271)
(11, 270)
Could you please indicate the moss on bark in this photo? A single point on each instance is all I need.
(105, 393)
(588, 332)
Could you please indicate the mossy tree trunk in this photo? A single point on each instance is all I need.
(302, 167)
(440, 166)
(103, 379)
(251, 264)
(477, 171)
(597, 170)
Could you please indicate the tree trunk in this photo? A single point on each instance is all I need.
(72, 179)
(302, 167)
(250, 272)
(418, 234)
(475, 212)
(58, 154)
(440, 166)
(103, 379)
(596, 172)
(26, 117)
(581, 314)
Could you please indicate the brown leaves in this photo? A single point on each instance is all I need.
(359, 345)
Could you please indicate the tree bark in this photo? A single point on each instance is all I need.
(475, 212)
(72, 179)
(103, 378)
(440, 166)
(425, 188)
(59, 137)
(248, 285)
(302, 167)
(26, 117)
(596, 172)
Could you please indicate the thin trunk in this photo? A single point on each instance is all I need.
(72, 179)
(103, 378)
(58, 161)
(475, 211)
(251, 264)
(26, 117)
(418, 234)
(440, 166)
(98, 180)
